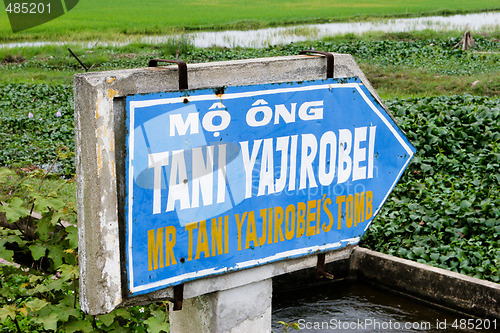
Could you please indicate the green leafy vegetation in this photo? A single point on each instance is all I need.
(39, 289)
(445, 210)
(398, 65)
(37, 123)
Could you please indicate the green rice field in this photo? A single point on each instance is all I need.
(115, 20)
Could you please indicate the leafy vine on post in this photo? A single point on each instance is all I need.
(39, 262)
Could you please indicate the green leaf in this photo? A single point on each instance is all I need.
(45, 227)
(6, 254)
(78, 326)
(465, 204)
(157, 322)
(64, 312)
(107, 319)
(5, 174)
(44, 202)
(426, 167)
(68, 272)
(56, 217)
(56, 254)
(402, 252)
(49, 321)
(156, 325)
(41, 288)
(123, 313)
(14, 210)
(35, 278)
(72, 236)
(419, 251)
(36, 304)
(37, 251)
(491, 222)
(56, 284)
(7, 311)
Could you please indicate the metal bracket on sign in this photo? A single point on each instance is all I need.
(183, 78)
(178, 297)
(183, 84)
(330, 64)
(330, 61)
(320, 268)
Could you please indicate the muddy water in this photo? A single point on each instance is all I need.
(479, 22)
(351, 306)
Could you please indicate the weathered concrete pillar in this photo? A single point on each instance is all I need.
(237, 310)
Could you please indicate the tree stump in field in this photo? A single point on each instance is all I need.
(466, 42)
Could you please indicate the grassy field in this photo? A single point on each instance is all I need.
(113, 19)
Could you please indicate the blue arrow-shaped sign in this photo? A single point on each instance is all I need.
(224, 179)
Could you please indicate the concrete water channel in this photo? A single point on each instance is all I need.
(374, 292)
(354, 306)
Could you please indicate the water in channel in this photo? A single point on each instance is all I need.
(353, 306)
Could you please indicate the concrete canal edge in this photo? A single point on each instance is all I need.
(244, 303)
(438, 287)
(458, 292)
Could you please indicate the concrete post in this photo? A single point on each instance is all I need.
(237, 310)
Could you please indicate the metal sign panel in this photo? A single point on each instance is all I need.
(224, 179)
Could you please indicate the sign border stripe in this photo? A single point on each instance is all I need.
(133, 104)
